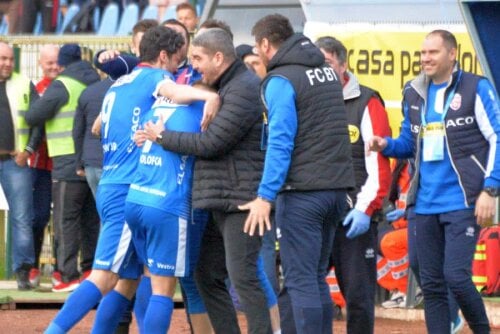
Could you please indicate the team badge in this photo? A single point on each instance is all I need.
(456, 103)
(353, 133)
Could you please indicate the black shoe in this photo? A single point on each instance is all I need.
(122, 328)
(23, 277)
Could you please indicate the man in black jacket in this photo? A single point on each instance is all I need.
(75, 217)
(227, 171)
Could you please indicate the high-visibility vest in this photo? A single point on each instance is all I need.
(18, 92)
(59, 130)
(392, 268)
(335, 294)
(486, 263)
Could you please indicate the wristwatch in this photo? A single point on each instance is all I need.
(492, 191)
(159, 138)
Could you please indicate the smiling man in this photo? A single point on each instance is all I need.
(451, 127)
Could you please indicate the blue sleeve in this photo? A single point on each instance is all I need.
(487, 113)
(282, 114)
(122, 65)
(402, 147)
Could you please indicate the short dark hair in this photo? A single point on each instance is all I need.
(175, 22)
(186, 5)
(213, 23)
(159, 39)
(275, 27)
(333, 46)
(448, 38)
(143, 25)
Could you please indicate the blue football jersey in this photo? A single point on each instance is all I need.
(163, 178)
(123, 109)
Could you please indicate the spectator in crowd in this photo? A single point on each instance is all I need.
(186, 14)
(10, 8)
(355, 245)
(75, 217)
(230, 143)
(213, 23)
(307, 175)
(49, 10)
(41, 167)
(17, 142)
(87, 146)
(246, 53)
(451, 127)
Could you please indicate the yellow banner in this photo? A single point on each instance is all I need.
(385, 60)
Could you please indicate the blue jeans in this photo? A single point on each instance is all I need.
(445, 248)
(306, 223)
(93, 175)
(16, 183)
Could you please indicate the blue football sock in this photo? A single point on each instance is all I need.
(78, 304)
(54, 329)
(109, 313)
(158, 315)
(142, 296)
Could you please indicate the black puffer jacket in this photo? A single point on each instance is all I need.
(229, 164)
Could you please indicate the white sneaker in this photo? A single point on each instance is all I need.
(398, 299)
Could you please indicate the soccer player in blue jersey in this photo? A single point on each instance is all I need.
(158, 212)
(122, 112)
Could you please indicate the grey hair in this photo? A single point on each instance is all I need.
(215, 40)
(334, 47)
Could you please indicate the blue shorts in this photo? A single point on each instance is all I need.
(115, 251)
(160, 238)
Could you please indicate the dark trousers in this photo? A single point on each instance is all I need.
(42, 198)
(48, 10)
(76, 225)
(306, 223)
(445, 246)
(355, 262)
(227, 251)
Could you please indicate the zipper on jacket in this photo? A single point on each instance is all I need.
(455, 169)
(473, 157)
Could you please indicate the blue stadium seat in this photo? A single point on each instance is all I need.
(109, 20)
(96, 19)
(4, 26)
(70, 13)
(169, 13)
(37, 29)
(128, 20)
(150, 12)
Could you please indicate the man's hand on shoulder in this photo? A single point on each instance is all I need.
(108, 55)
(212, 106)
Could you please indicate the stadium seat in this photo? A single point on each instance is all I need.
(96, 19)
(70, 13)
(4, 26)
(109, 20)
(37, 29)
(169, 13)
(150, 12)
(128, 20)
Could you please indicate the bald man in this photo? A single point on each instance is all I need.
(41, 166)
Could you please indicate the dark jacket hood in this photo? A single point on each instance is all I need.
(297, 50)
(81, 71)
